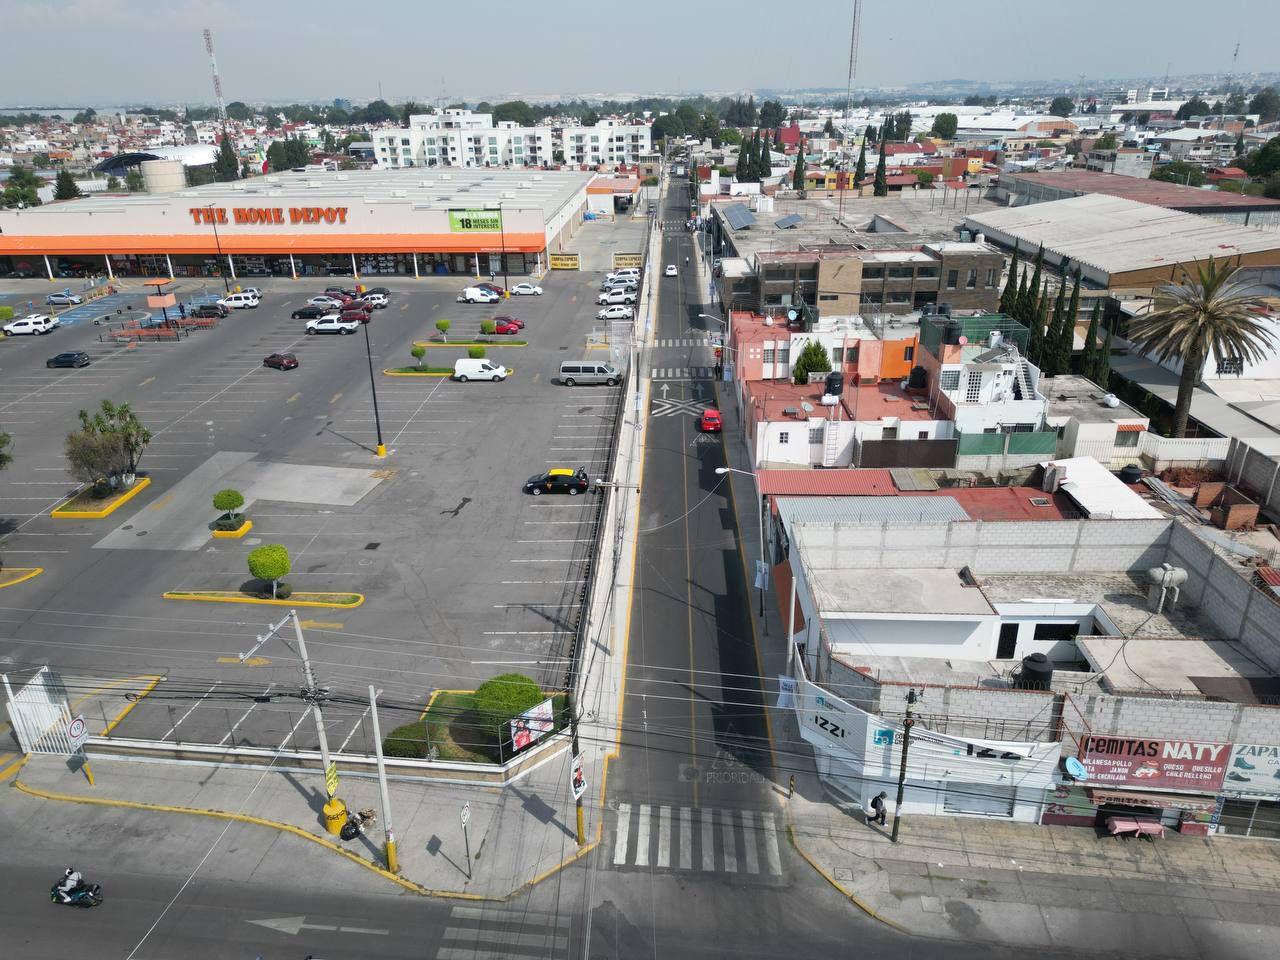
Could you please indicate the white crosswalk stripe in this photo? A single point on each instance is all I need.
(682, 342)
(682, 373)
(487, 933)
(746, 841)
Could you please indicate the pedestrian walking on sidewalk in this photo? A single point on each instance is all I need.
(878, 812)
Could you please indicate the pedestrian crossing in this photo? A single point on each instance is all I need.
(703, 839)
(480, 933)
(682, 342)
(682, 373)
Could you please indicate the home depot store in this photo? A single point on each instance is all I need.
(307, 224)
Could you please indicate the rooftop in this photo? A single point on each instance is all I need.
(876, 401)
(1005, 503)
(1073, 396)
(1180, 668)
(771, 399)
(1114, 235)
(1175, 196)
(930, 591)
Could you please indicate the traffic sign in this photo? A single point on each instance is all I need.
(77, 733)
(331, 779)
(466, 812)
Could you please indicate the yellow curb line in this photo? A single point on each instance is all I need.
(424, 373)
(126, 711)
(468, 343)
(235, 534)
(139, 485)
(261, 822)
(857, 901)
(14, 767)
(231, 597)
(26, 574)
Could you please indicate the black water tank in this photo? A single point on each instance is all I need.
(835, 383)
(1036, 674)
(1131, 474)
(918, 378)
(953, 332)
(944, 309)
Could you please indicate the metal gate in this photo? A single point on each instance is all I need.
(40, 714)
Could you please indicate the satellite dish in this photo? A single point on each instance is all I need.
(1075, 769)
(791, 314)
(963, 340)
(807, 407)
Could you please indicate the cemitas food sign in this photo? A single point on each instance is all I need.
(255, 216)
(1166, 764)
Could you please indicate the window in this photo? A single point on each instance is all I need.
(768, 355)
(404, 143)
(973, 386)
(815, 434)
(972, 280)
(901, 273)
(872, 273)
(824, 297)
(784, 354)
(784, 437)
(953, 277)
(908, 353)
(949, 380)
(837, 355)
(991, 277)
(922, 435)
(493, 139)
(1128, 438)
(871, 298)
(927, 273)
(900, 296)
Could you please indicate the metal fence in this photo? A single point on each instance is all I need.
(40, 714)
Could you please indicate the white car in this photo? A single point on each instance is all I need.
(63, 299)
(616, 296)
(332, 323)
(615, 312)
(325, 302)
(378, 301)
(34, 324)
(671, 270)
(478, 295)
(239, 301)
(252, 291)
(526, 290)
(626, 273)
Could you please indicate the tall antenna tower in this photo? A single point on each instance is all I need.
(854, 31)
(217, 80)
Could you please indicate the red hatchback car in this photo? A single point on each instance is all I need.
(505, 326)
(361, 316)
(516, 320)
(711, 422)
(281, 361)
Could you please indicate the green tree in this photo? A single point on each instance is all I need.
(239, 110)
(94, 458)
(1105, 142)
(944, 125)
(797, 179)
(1212, 313)
(516, 110)
(1239, 150)
(1195, 107)
(772, 114)
(1264, 161)
(923, 177)
(1049, 351)
(22, 188)
(227, 165)
(65, 187)
(742, 170)
(860, 171)
(1022, 305)
(1266, 103)
(1039, 318)
(590, 118)
(1188, 174)
(750, 116)
(502, 699)
(113, 184)
(133, 181)
(1008, 298)
(667, 126)
(270, 562)
(86, 115)
(119, 421)
(476, 353)
(1089, 357)
(829, 128)
(1102, 363)
(881, 186)
(902, 126)
(229, 501)
(378, 111)
(1038, 273)
(6, 450)
(443, 326)
(41, 161)
(813, 359)
(418, 351)
(1271, 189)
(1062, 106)
(764, 163)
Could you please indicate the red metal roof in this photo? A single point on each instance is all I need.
(1269, 576)
(1129, 428)
(1005, 503)
(826, 483)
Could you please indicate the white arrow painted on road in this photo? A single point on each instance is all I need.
(295, 925)
(665, 388)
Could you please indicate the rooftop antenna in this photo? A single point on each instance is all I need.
(1222, 117)
(854, 30)
(217, 80)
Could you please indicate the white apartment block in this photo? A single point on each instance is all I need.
(460, 138)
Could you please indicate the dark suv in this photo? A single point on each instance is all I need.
(210, 311)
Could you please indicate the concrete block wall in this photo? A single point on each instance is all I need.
(1000, 461)
(1219, 589)
(991, 713)
(1202, 720)
(989, 547)
(1255, 472)
(840, 677)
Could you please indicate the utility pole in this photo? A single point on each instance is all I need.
(907, 723)
(387, 830)
(335, 811)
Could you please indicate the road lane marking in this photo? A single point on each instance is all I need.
(730, 848)
(624, 827)
(664, 836)
(294, 397)
(642, 837)
(749, 841)
(188, 713)
(320, 625)
(686, 838)
(771, 844)
(146, 381)
(251, 662)
(708, 841)
(230, 733)
(336, 397)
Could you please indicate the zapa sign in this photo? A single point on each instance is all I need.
(268, 215)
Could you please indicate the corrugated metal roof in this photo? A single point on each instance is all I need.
(938, 509)
(913, 478)
(829, 483)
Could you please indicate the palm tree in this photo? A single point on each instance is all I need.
(1211, 313)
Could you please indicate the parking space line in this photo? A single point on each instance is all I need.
(289, 735)
(358, 725)
(188, 713)
(519, 582)
(235, 725)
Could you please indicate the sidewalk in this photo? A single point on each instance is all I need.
(1021, 885)
(518, 834)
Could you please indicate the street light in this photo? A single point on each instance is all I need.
(748, 473)
(368, 352)
(502, 235)
(226, 284)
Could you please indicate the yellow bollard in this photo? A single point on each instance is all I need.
(335, 815)
(392, 863)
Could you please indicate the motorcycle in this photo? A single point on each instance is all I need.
(85, 895)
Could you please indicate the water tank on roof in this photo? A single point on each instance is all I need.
(1131, 474)
(163, 176)
(1036, 673)
(835, 383)
(951, 335)
(918, 378)
(944, 309)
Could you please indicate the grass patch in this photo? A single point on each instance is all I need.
(416, 369)
(453, 727)
(497, 340)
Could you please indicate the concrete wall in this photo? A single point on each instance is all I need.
(990, 713)
(1178, 719)
(1256, 472)
(1068, 546)
(965, 638)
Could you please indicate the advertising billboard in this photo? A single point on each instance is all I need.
(1255, 768)
(475, 221)
(532, 725)
(1156, 764)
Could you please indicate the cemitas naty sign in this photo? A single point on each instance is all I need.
(263, 216)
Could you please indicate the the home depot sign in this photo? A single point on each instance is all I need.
(253, 216)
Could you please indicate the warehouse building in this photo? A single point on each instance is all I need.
(377, 222)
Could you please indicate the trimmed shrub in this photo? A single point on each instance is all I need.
(229, 502)
(506, 697)
(408, 741)
(487, 326)
(6, 313)
(418, 351)
(270, 562)
(476, 353)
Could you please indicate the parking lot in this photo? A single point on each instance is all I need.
(464, 575)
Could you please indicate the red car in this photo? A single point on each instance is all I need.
(711, 422)
(361, 316)
(506, 325)
(516, 320)
(281, 361)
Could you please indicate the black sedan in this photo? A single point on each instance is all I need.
(76, 358)
(559, 480)
(310, 312)
(281, 361)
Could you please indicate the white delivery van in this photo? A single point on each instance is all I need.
(467, 369)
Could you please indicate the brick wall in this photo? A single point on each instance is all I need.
(989, 713)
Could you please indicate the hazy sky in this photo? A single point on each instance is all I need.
(71, 52)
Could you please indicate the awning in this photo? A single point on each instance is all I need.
(1130, 428)
(1171, 801)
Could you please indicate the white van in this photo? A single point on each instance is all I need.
(467, 369)
(239, 301)
(588, 371)
(478, 295)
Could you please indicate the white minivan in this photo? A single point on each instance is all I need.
(239, 301)
(467, 369)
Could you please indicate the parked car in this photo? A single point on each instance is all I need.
(252, 291)
(505, 319)
(626, 273)
(526, 290)
(617, 296)
(332, 324)
(377, 300)
(75, 358)
(496, 288)
(478, 295)
(559, 480)
(310, 312)
(63, 299)
(211, 311)
(281, 361)
(328, 302)
(711, 422)
(240, 301)
(616, 312)
(380, 291)
(34, 324)
(671, 270)
(505, 326)
(622, 283)
(339, 292)
(465, 369)
(359, 316)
